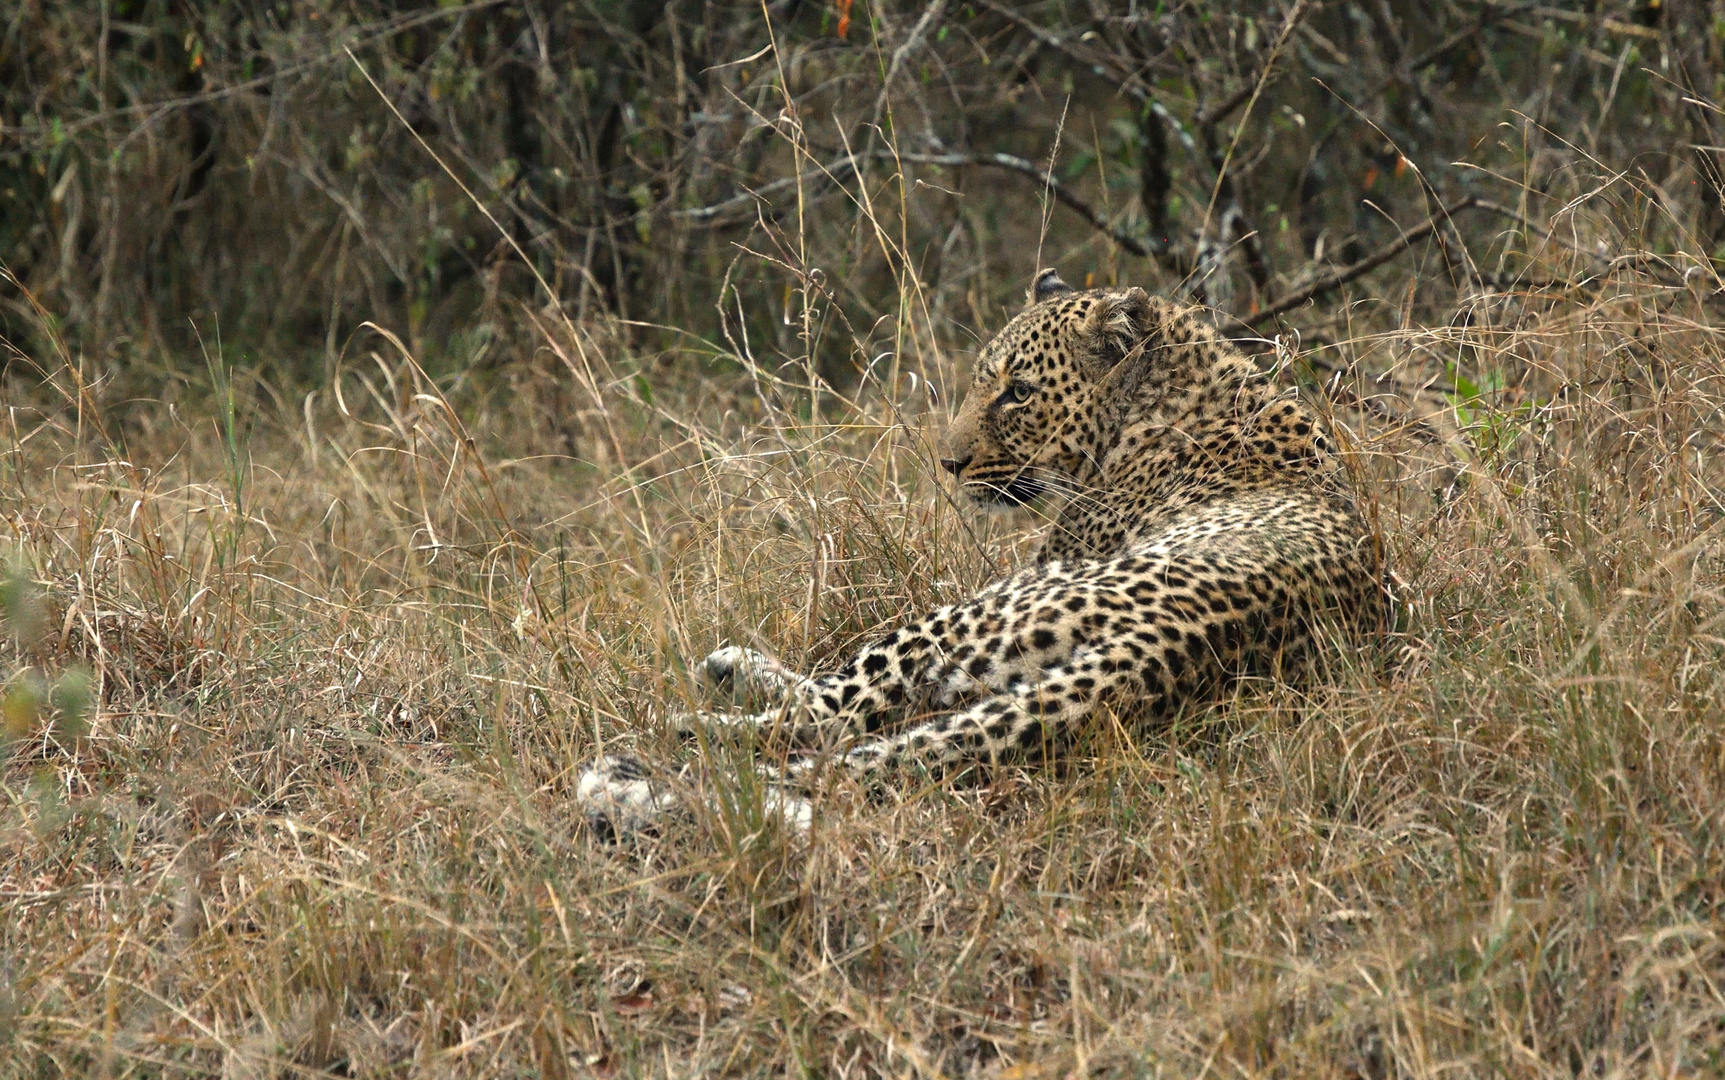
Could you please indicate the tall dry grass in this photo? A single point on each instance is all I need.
(348, 650)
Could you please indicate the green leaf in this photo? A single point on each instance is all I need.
(71, 697)
(20, 606)
(1079, 165)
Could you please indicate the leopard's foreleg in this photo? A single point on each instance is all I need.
(855, 699)
(1029, 721)
(915, 660)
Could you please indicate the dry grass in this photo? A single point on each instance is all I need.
(350, 650)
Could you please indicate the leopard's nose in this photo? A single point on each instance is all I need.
(954, 465)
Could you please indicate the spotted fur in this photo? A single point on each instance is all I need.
(1202, 534)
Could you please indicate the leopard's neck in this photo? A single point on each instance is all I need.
(1230, 434)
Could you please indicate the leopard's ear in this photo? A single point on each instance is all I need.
(1118, 324)
(1047, 283)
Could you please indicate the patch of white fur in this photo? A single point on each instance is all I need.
(620, 798)
(616, 791)
(959, 684)
(798, 812)
(747, 669)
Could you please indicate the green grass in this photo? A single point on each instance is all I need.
(351, 650)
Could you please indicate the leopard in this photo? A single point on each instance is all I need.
(1202, 529)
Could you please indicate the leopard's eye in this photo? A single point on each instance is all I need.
(1019, 392)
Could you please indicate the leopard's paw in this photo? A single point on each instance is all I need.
(741, 670)
(619, 797)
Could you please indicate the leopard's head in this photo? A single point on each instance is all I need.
(1043, 390)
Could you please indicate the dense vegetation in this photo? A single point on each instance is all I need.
(399, 395)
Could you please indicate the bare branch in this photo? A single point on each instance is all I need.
(1341, 276)
(1155, 248)
(835, 170)
(1127, 80)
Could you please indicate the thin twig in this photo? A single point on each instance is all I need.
(836, 170)
(1043, 176)
(1582, 18)
(845, 165)
(1339, 277)
(1127, 81)
(152, 111)
(1487, 16)
(1223, 185)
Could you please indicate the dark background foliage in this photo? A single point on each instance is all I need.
(174, 170)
